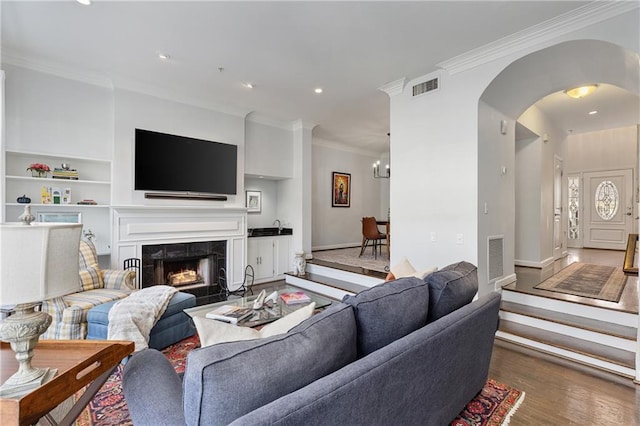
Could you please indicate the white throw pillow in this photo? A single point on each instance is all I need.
(423, 274)
(406, 269)
(403, 269)
(213, 331)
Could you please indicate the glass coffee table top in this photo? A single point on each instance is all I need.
(267, 313)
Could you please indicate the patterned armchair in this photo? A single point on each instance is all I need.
(96, 286)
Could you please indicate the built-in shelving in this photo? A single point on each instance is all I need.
(94, 183)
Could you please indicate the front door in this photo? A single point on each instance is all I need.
(608, 209)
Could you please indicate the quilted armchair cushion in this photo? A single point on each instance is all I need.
(69, 313)
(111, 278)
(91, 278)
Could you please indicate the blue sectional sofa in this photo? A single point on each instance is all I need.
(410, 352)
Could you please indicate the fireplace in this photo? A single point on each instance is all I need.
(193, 267)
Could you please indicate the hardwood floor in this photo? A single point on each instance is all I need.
(560, 392)
(528, 278)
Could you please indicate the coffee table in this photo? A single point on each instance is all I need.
(79, 363)
(266, 314)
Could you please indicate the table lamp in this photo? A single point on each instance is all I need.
(37, 262)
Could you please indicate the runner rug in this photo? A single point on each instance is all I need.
(583, 279)
(493, 406)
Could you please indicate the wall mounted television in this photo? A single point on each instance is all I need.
(166, 162)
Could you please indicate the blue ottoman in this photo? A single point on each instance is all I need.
(173, 326)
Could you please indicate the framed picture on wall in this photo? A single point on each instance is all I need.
(340, 189)
(254, 201)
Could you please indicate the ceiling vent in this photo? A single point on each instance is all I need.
(427, 86)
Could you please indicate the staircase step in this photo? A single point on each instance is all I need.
(366, 280)
(589, 324)
(609, 356)
(623, 318)
(326, 286)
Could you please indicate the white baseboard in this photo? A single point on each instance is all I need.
(498, 284)
(337, 246)
(531, 264)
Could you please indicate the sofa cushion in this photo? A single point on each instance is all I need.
(389, 311)
(451, 288)
(212, 332)
(91, 278)
(225, 381)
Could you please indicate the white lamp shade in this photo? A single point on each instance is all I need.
(38, 261)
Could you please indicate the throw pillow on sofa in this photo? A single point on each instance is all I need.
(451, 288)
(228, 380)
(212, 332)
(405, 269)
(389, 311)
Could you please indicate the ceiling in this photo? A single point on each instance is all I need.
(285, 49)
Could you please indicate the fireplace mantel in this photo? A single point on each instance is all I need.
(135, 226)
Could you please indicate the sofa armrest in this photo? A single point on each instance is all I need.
(119, 279)
(152, 389)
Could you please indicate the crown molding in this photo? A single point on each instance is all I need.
(158, 92)
(579, 18)
(395, 87)
(10, 57)
(258, 118)
(303, 124)
(346, 148)
(7, 56)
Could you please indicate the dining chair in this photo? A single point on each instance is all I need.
(370, 232)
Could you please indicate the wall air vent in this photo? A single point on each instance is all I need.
(495, 256)
(427, 86)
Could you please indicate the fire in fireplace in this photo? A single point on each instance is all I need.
(192, 267)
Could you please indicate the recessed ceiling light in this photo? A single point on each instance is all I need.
(582, 91)
(163, 56)
(593, 112)
(249, 85)
(84, 2)
(318, 90)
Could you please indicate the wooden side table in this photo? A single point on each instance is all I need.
(79, 363)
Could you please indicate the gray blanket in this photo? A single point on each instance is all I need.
(133, 317)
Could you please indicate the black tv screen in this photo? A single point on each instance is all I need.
(176, 163)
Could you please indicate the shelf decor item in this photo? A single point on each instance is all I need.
(38, 170)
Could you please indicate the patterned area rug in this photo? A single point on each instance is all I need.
(493, 406)
(349, 256)
(583, 279)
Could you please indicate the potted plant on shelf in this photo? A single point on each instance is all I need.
(39, 170)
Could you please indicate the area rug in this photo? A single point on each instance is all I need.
(350, 257)
(587, 280)
(493, 406)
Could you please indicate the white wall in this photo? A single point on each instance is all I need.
(537, 161)
(610, 149)
(134, 110)
(50, 114)
(496, 187)
(268, 215)
(434, 149)
(269, 150)
(341, 226)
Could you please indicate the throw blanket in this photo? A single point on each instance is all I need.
(133, 317)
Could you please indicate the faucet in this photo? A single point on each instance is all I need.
(279, 225)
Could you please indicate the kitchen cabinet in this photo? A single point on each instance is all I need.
(269, 257)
